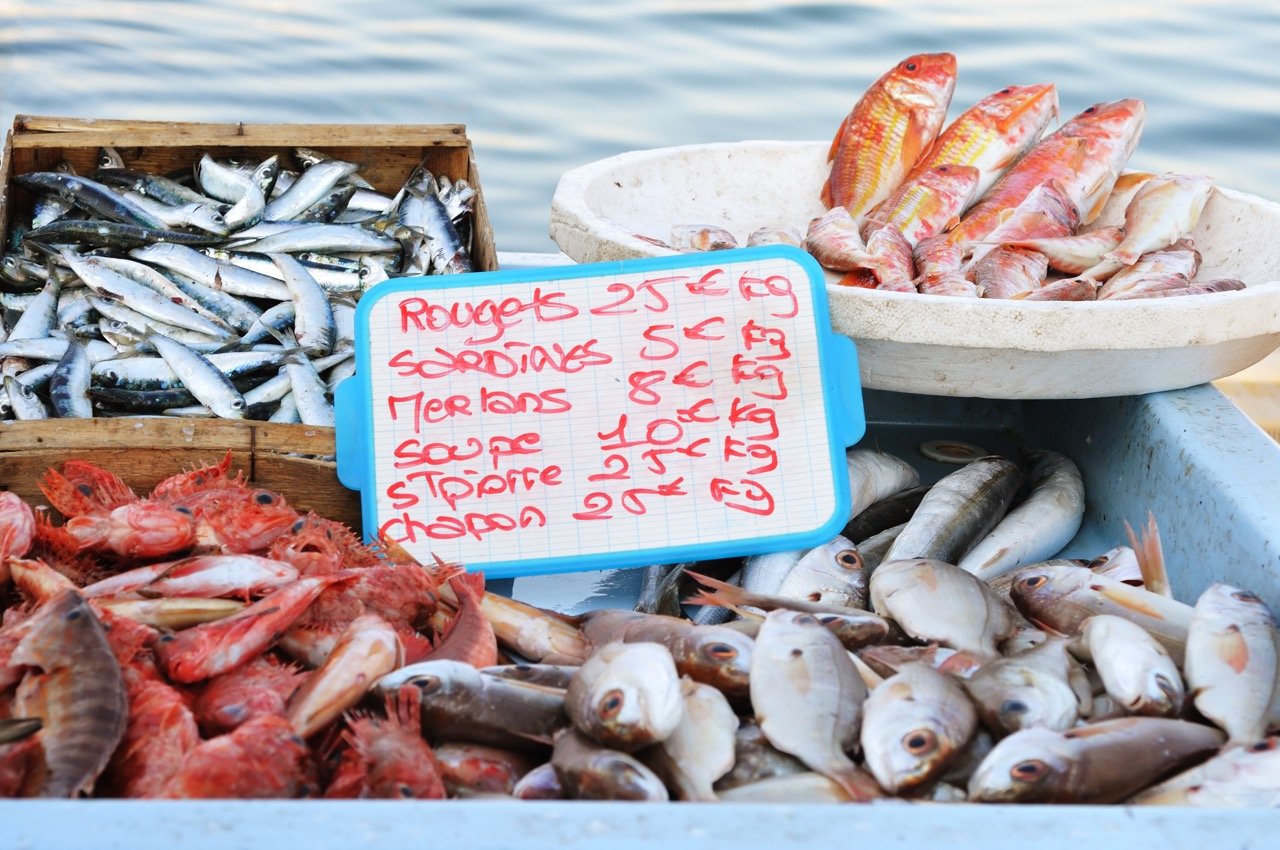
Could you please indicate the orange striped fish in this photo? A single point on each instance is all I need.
(926, 204)
(994, 133)
(1085, 156)
(879, 141)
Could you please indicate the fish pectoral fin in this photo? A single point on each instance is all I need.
(1126, 597)
(1231, 647)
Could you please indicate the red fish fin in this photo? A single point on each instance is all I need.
(861, 278)
(186, 483)
(916, 140)
(70, 500)
(826, 193)
(105, 488)
(1150, 553)
(471, 584)
(1230, 646)
(858, 784)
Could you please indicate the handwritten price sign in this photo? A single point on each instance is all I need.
(616, 414)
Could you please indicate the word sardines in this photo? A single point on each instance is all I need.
(226, 290)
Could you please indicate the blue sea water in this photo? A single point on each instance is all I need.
(547, 86)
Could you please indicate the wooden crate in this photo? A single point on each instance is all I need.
(293, 460)
(386, 154)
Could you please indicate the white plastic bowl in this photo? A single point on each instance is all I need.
(934, 344)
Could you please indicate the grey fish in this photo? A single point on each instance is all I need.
(312, 185)
(935, 601)
(1039, 527)
(205, 381)
(90, 196)
(660, 590)
(313, 317)
(69, 384)
(588, 771)
(111, 234)
(331, 238)
(154, 186)
(330, 205)
(221, 181)
(248, 210)
(287, 411)
(875, 476)
(626, 695)
(40, 315)
(914, 725)
(807, 696)
(959, 510)
(874, 548)
(337, 275)
(1237, 776)
(1102, 762)
(208, 271)
(23, 400)
(236, 312)
(164, 286)
(701, 749)
(885, 514)
(309, 392)
(204, 217)
(1233, 653)
(462, 704)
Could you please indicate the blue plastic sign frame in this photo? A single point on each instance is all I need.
(479, 309)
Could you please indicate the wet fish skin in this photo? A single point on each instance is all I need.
(1238, 776)
(84, 702)
(205, 381)
(1061, 597)
(803, 787)
(309, 392)
(1163, 210)
(18, 728)
(312, 185)
(935, 601)
(1007, 272)
(1232, 653)
(831, 573)
(1029, 689)
(1136, 670)
(547, 675)
(709, 654)
(876, 475)
(460, 703)
(960, 509)
(588, 771)
(1102, 762)
(626, 695)
(926, 203)
(755, 759)
(914, 725)
(69, 385)
(90, 196)
(891, 125)
(994, 133)
(313, 323)
(807, 696)
(24, 402)
(1038, 528)
(883, 514)
(701, 749)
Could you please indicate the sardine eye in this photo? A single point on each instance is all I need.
(720, 652)
(849, 559)
(1246, 596)
(1031, 770)
(1033, 582)
(1013, 706)
(611, 704)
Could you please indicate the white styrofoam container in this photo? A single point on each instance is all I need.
(933, 344)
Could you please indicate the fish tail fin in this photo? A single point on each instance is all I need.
(721, 593)
(857, 783)
(1150, 557)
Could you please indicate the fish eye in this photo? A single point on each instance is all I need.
(297, 526)
(237, 404)
(1013, 706)
(920, 742)
(183, 509)
(1005, 90)
(74, 614)
(611, 704)
(910, 66)
(1262, 746)
(1246, 596)
(1031, 770)
(720, 652)
(806, 620)
(1033, 582)
(849, 559)
(265, 498)
(1090, 110)
(165, 639)
(426, 684)
(405, 791)
(364, 272)
(85, 489)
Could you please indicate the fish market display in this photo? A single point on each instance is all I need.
(229, 291)
(992, 204)
(207, 640)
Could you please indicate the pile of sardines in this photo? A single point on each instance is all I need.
(229, 291)
(938, 658)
